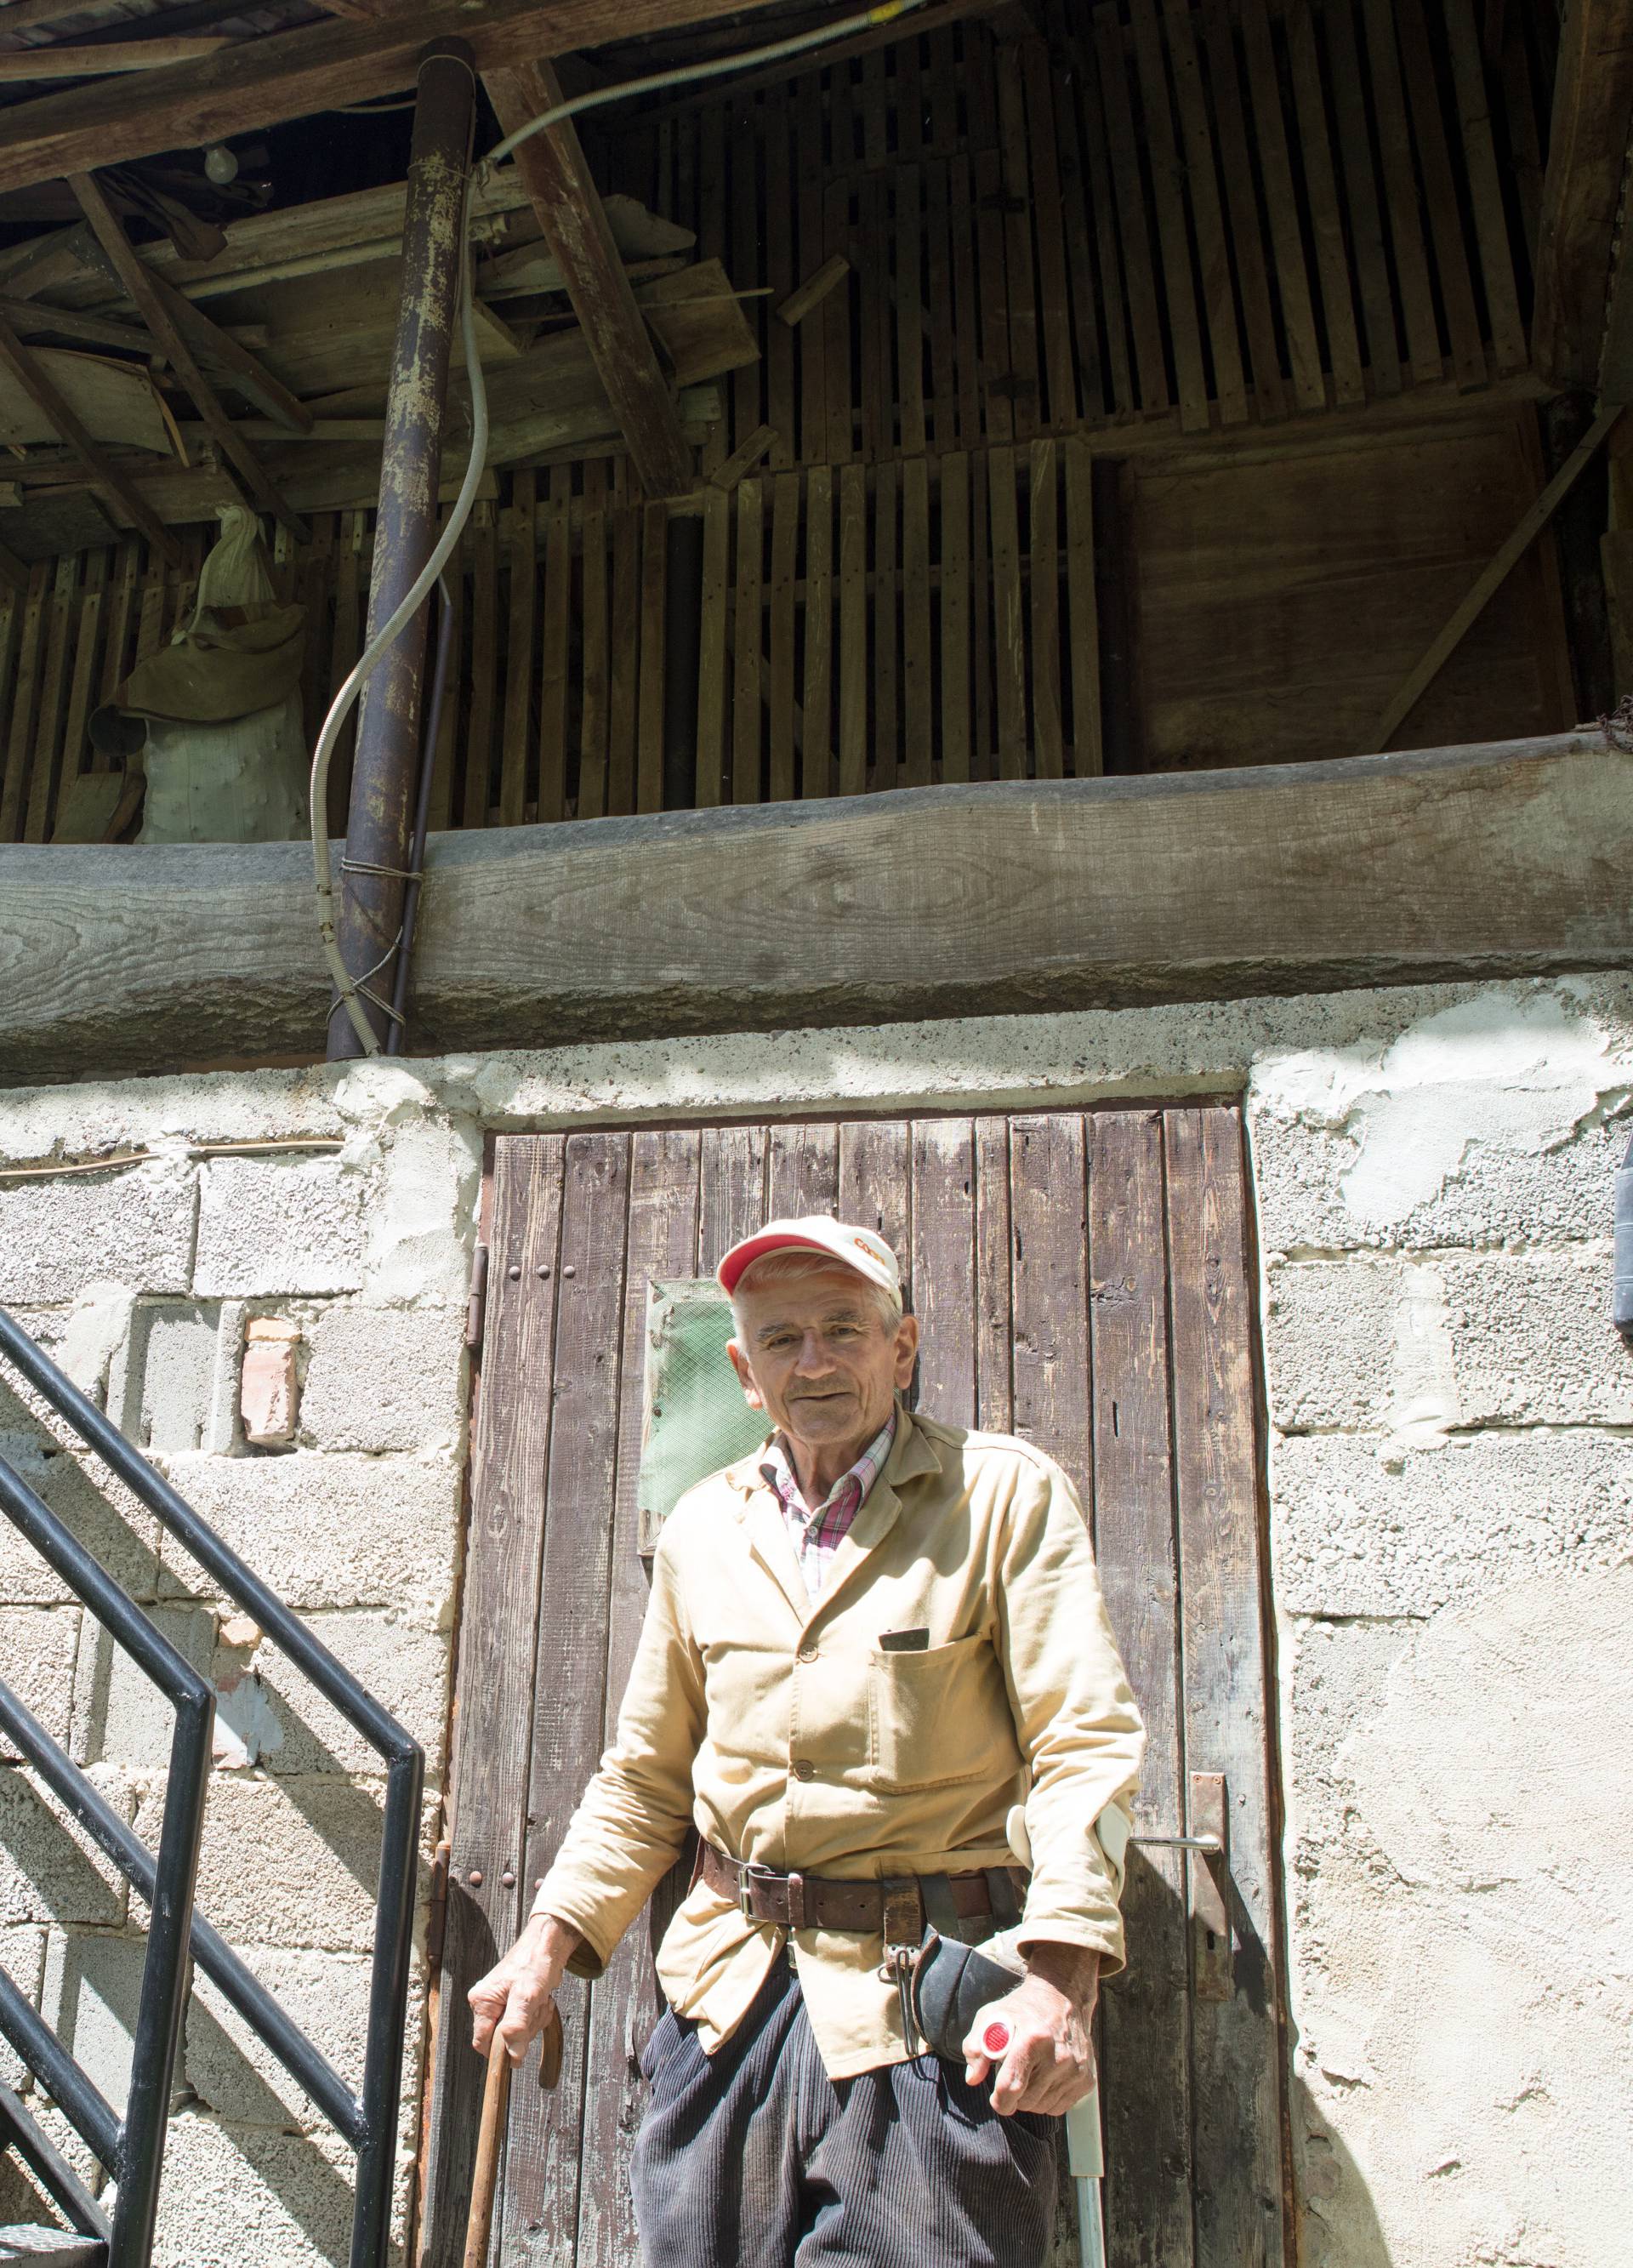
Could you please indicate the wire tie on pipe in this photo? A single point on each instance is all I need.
(393, 873)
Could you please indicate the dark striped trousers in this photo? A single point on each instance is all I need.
(755, 2158)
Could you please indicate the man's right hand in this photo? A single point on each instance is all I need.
(518, 1992)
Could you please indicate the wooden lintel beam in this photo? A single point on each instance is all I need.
(1509, 859)
(292, 74)
(569, 211)
(139, 283)
(104, 476)
(1587, 150)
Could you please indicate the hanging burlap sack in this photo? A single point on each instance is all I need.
(224, 750)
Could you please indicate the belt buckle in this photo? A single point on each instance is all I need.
(749, 1870)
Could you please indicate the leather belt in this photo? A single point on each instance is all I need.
(896, 1905)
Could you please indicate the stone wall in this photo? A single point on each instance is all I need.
(1449, 1483)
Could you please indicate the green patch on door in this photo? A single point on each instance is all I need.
(694, 1418)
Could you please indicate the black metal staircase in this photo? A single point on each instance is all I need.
(132, 2148)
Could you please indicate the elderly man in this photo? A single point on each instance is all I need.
(876, 1674)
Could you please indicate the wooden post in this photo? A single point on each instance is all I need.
(388, 736)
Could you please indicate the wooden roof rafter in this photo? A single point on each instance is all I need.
(156, 313)
(293, 74)
(569, 210)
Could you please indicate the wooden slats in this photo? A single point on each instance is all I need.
(1204, 210)
(934, 620)
(1145, 2085)
(1236, 2049)
(493, 1739)
(660, 1245)
(746, 708)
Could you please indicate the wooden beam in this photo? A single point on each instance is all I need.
(28, 319)
(48, 63)
(283, 74)
(214, 344)
(569, 211)
(155, 312)
(1586, 153)
(26, 15)
(104, 477)
(1491, 577)
(1508, 859)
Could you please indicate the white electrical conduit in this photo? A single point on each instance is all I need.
(350, 988)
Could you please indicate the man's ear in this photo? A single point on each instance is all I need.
(744, 1376)
(907, 1349)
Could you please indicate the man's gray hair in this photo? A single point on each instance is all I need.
(780, 1267)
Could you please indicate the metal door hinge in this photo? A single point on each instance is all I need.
(476, 1302)
(436, 1915)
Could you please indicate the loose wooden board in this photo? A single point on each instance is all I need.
(113, 401)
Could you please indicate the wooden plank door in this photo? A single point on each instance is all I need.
(1082, 1280)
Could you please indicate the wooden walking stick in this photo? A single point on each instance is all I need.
(496, 2098)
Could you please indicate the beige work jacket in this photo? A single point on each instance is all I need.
(790, 1736)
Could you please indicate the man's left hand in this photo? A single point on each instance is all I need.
(1049, 2062)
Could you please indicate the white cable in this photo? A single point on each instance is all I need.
(683, 75)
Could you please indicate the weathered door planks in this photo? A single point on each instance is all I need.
(1081, 1276)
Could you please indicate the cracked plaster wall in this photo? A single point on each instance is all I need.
(1450, 1476)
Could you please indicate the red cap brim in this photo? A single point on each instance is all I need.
(743, 1255)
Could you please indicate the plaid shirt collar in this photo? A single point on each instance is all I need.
(817, 1535)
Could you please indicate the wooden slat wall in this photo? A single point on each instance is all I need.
(842, 636)
(1203, 211)
(1082, 1280)
(1170, 206)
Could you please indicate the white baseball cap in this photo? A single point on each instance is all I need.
(837, 1240)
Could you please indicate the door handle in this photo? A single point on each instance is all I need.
(1209, 1870)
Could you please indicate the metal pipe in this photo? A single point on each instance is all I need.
(164, 1984)
(388, 741)
(87, 2107)
(422, 818)
(372, 2124)
(239, 1581)
(239, 1987)
(20, 2132)
(388, 1994)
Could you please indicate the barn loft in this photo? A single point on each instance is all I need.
(1030, 392)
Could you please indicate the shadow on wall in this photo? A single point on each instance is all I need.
(288, 1873)
(1338, 2225)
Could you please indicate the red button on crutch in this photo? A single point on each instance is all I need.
(995, 2038)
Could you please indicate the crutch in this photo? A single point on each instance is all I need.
(496, 2098)
(1088, 2164)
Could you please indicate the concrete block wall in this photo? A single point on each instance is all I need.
(141, 1281)
(1449, 1469)
(1451, 1481)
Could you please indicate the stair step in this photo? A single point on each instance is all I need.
(52, 2247)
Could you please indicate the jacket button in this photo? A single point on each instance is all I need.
(805, 1653)
(803, 1769)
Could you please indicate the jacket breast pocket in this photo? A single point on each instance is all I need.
(939, 1716)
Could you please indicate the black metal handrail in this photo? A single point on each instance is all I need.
(132, 2148)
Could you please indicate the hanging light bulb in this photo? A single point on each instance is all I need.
(220, 164)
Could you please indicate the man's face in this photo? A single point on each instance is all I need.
(815, 1353)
